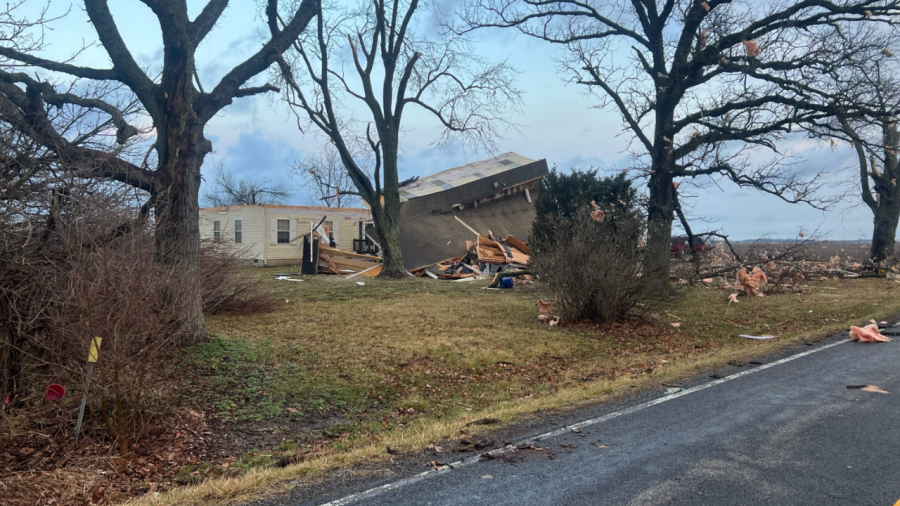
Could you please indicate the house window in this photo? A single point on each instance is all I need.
(238, 231)
(217, 231)
(284, 231)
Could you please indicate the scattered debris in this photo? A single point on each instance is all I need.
(868, 334)
(436, 465)
(485, 256)
(750, 283)
(733, 298)
(544, 306)
(597, 214)
(468, 445)
(752, 48)
(360, 283)
(487, 477)
(526, 446)
(347, 263)
(550, 319)
(673, 391)
(873, 389)
(54, 392)
(760, 338)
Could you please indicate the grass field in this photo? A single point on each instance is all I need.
(341, 372)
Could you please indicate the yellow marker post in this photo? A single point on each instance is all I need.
(93, 356)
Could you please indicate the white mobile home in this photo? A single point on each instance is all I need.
(268, 234)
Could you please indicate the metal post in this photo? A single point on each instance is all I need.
(93, 356)
(87, 385)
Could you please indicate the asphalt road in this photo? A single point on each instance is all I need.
(784, 433)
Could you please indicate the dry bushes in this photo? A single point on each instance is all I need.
(227, 286)
(83, 266)
(76, 264)
(594, 268)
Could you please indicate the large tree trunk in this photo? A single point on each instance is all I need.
(178, 240)
(887, 215)
(182, 148)
(660, 214)
(387, 217)
(389, 232)
(887, 208)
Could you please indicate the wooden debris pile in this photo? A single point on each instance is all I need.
(487, 255)
(347, 263)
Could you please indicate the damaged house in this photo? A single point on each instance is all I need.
(468, 218)
(440, 213)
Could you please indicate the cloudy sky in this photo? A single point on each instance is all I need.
(259, 136)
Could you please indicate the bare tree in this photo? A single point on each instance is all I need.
(325, 179)
(866, 96)
(391, 67)
(876, 142)
(701, 85)
(231, 190)
(176, 103)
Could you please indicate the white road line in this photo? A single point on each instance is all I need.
(558, 432)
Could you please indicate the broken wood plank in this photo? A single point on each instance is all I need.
(376, 268)
(464, 224)
(519, 245)
(328, 250)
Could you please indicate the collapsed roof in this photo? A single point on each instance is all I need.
(495, 194)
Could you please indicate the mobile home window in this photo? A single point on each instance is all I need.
(217, 230)
(238, 231)
(330, 226)
(284, 231)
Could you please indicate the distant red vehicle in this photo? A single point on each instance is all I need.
(681, 245)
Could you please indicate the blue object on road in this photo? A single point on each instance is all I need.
(506, 282)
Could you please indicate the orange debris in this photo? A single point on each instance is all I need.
(750, 283)
(868, 334)
(752, 48)
(545, 306)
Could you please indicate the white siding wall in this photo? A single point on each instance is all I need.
(252, 223)
(345, 224)
(260, 230)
